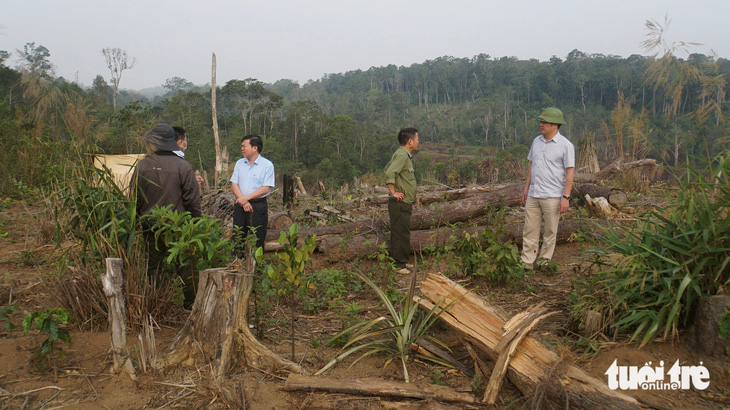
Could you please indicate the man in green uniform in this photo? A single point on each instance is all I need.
(401, 180)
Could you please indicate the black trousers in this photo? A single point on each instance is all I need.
(157, 251)
(400, 231)
(247, 223)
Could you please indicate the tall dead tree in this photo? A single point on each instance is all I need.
(221, 155)
(117, 61)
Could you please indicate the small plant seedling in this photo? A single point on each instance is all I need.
(6, 316)
(48, 322)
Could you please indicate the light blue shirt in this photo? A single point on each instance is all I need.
(549, 161)
(250, 177)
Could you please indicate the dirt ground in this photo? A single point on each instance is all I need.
(84, 381)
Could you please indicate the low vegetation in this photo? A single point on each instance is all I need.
(651, 274)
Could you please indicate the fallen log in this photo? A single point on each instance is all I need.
(533, 364)
(436, 215)
(619, 165)
(425, 197)
(280, 220)
(337, 248)
(217, 332)
(375, 387)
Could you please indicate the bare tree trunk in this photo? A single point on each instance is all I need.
(113, 283)
(221, 158)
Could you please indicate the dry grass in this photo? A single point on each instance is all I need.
(79, 290)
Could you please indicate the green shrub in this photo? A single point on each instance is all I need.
(95, 211)
(48, 322)
(656, 270)
(485, 255)
(7, 313)
(283, 276)
(196, 243)
(325, 288)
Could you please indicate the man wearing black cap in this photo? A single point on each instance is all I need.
(164, 178)
(548, 186)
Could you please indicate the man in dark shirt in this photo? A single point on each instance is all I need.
(160, 179)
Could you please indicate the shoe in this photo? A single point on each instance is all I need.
(403, 271)
(409, 266)
(546, 266)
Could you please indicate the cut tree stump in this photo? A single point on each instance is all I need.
(599, 207)
(705, 333)
(534, 365)
(300, 186)
(217, 330)
(616, 197)
(375, 387)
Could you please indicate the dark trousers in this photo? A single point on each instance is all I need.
(246, 223)
(157, 251)
(400, 231)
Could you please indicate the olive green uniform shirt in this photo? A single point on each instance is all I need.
(399, 172)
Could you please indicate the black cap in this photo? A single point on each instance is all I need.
(162, 137)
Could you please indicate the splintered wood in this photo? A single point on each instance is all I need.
(515, 330)
(532, 363)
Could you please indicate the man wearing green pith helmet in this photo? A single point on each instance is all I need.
(547, 189)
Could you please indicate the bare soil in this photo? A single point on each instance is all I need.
(84, 381)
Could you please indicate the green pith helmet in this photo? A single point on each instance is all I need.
(552, 115)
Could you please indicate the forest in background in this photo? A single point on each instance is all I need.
(469, 111)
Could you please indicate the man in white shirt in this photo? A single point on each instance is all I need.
(251, 183)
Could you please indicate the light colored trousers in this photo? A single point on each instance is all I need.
(535, 210)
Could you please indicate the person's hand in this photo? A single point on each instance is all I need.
(199, 179)
(247, 207)
(399, 196)
(564, 205)
(524, 197)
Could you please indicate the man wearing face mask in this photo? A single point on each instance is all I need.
(182, 141)
(160, 179)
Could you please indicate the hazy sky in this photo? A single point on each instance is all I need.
(303, 40)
